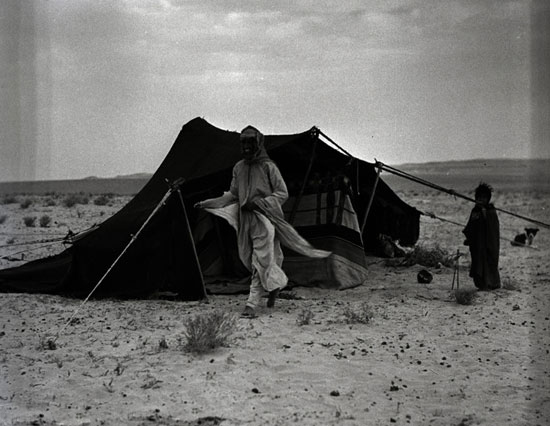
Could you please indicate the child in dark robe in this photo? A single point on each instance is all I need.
(483, 239)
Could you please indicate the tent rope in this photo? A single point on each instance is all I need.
(335, 144)
(28, 243)
(432, 185)
(9, 255)
(454, 193)
(173, 187)
(433, 216)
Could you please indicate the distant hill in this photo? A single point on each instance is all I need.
(504, 175)
(135, 176)
(484, 166)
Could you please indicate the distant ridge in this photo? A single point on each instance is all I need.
(489, 167)
(135, 176)
(460, 175)
(130, 176)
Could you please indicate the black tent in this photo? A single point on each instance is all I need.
(329, 190)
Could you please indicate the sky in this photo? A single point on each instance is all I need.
(102, 88)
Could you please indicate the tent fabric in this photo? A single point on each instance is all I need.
(163, 257)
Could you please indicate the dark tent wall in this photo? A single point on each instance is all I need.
(163, 256)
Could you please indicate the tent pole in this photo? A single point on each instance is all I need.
(371, 197)
(161, 203)
(315, 132)
(192, 242)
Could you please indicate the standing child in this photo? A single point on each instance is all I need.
(483, 238)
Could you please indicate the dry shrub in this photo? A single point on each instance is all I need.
(26, 203)
(49, 202)
(29, 221)
(163, 344)
(361, 314)
(74, 199)
(508, 284)
(465, 296)
(101, 200)
(47, 343)
(208, 331)
(45, 221)
(428, 256)
(10, 199)
(304, 317)
(3, 218)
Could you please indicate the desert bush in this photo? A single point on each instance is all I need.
(9, 199)
(206, 332)
(304, 317)
(46, 343)
(465, 296)
(428, 256)
(26, 203)
(49, 202)
(101, 200)
(3, 218)
(74, 199)
(29, 221)
(508, 284)
(163, 345)
(361, 314)
(45, 221)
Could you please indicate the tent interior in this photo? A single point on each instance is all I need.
(159, 243)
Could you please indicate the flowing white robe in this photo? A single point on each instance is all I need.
(261, 231)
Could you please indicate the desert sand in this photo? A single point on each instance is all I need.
(423, 359)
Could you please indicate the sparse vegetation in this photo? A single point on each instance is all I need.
(29, 221)
(10, 199)
(206, 332)
(508, 284)
(3, 218)
(45, 221)
(163, 345)
(465, 296)
(101, 200)
(361, 314)
(74, 199)
(304, 317)
(428, 256)
(49, 202)
(26, 203)
(47, 343)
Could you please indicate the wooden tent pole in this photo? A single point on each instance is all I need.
(315, 133)
(161, 203)
(371, 197)
(190, 232)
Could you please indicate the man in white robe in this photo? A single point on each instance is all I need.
(253, 206)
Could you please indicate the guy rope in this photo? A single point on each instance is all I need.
(452, 192)
(173, 188)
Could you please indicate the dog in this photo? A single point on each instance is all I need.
(388, 248)
(525, 238)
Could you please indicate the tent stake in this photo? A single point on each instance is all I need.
(173, 187)
(371, 197)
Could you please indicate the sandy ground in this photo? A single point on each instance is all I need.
(423, 359)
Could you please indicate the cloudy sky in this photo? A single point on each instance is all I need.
(102, 88)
